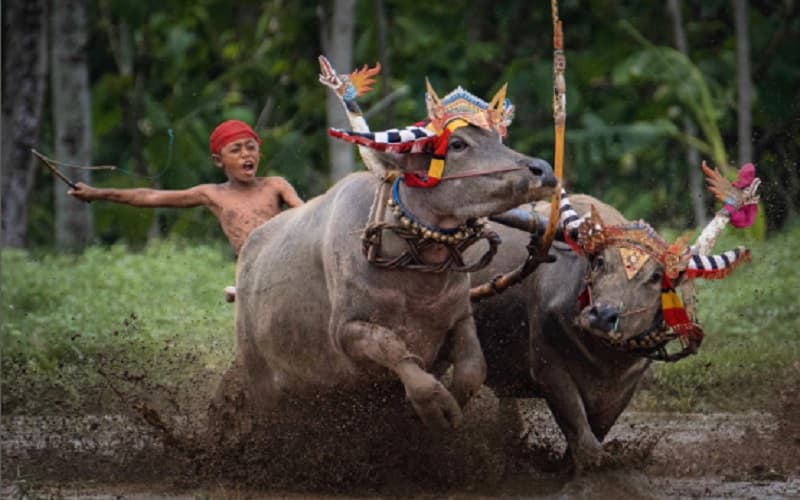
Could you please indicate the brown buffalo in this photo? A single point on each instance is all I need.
(314, 316)
(584, 359)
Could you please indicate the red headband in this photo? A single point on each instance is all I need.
(229, 131)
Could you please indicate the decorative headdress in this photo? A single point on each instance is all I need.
(460, 104)
(637, 242)
(457, 109)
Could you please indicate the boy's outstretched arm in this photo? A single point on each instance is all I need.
(143, 197)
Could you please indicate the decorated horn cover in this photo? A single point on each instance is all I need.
(457, 109)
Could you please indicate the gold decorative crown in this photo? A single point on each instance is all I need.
(594, 236)
(494, 115)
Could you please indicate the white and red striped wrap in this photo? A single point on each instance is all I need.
(568, 218)
(716, 266)
(411, 139)
(678, 258)
(457, 109)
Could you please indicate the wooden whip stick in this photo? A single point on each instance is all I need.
(50, 164)
(560, 119)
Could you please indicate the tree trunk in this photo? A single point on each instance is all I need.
(119, 37)
(337, 43)
(24, 80)
(71, 117)
(696, 190)
(386, 61)
(745, 84)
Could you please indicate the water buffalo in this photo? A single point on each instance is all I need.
(578, 331)
(314, 316)
(585, 360)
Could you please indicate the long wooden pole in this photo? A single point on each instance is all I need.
(538, 254)
(560, 121)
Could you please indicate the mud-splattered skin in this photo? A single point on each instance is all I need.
(314, 316)
(241, 210)
(538, 342)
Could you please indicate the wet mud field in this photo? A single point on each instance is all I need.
(508, 449)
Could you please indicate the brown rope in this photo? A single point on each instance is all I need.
(689, 346)
(411, 259)
(502, 282)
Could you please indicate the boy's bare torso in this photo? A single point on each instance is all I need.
(241, 209)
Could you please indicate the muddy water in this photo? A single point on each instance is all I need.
(387, 454)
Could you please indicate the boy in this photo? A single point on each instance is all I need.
(241, 204)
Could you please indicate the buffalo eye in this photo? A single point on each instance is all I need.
(598, 264)
(457, 145)
(656, 277)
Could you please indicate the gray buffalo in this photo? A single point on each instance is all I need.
(313, 315)
(580, 332)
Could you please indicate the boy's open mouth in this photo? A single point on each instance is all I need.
(248, 166)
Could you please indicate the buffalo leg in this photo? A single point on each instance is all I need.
(564, 400)
(244, 395)
(602, 421)
(431, 400)
(469, 365)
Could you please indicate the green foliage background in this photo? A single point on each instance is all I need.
(182, 67)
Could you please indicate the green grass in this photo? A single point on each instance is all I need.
(65, 317)
(160, 313)
(752, 345)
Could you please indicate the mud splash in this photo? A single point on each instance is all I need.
(154, 445)
(719, 455)
(346, 445)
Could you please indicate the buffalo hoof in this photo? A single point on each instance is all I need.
(588, 459)
(228, 426)
(434, 404)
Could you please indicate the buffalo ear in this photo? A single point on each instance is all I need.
(404, 162)
(377, 162)
(680, 279)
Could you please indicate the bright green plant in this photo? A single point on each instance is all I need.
(67, 318)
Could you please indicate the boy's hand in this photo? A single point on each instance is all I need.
(83, 192)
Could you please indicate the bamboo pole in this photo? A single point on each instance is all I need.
(560, 120)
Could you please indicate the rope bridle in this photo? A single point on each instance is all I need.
(419, 237)
(650, 343)
(478, 173)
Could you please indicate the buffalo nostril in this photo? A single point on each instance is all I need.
(594, 316)
(539, 167)
(604, 317)
(611, 321)
(542, 170)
